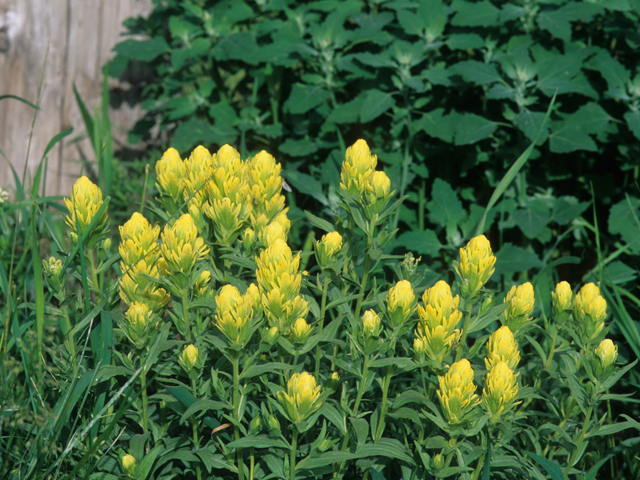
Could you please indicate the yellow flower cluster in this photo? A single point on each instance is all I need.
(562, 301)
(231, 193)
(521, 301)
(181, 249)
(401, 303)
(604, 358)
(501, 387)
(279, 284)
(590, 311)
(328, 248)
(85, 201)
(235, 312)
(437, 333)
(302, 397)
(475, 267)
(139, 325)
(457, 392)
(141, 259)
(359, 177)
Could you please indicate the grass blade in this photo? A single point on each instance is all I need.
(20, 99)
(37, 278)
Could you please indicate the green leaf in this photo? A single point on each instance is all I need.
(437, 125)
(375, 104)
(319, 222)
(530, 123)
(386, 447)
(479, 73)
(445, 208)
(566, 209)
(552, 468)
(298, 148)
(570, 138)
(239, 46)
(555, 23)
(421, 242)
(324, 459)
(512, 259)
(477, 14)
(464, 41)
(624, 220)
(616, 76)
(202, 405)
(306, 97)
(577, 391)
(533, 219)
(633, 122)
(195, 131)
(347, 112)
(259, 441)
(256, 370)
(361, 428)
(214, 460)
(306, 184)
(615, 427)
(142, 50)
(472, 128)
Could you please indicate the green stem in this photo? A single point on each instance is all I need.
(185, 312)
(383, 409)
(463, 339)
(252, 464)
(292, 455)
(143, 387)
(583, 433)
(367, 267)
(323, 308)
(236, 412)
(195, 425)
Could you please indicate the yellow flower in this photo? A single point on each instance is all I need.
(182, 248)
(521, 301)
(135, 286)
(300, 332)
(171, 170)
(234, 313)
(140, 318)
(302, 397)
(605, 356)
(475, 267)
(272, 232)
(377, 191)
(139, 240)
(327, 248)
(129, 465)
(501, 390)
(590, 311)
(201, 288)
(437, 342)
(401, 303)
(562, 299)
(190, 358)
(440, 307)
(53, 267)
(502, 347)
(85, 201)
(357, 168)
(457, 392)
(371, 326)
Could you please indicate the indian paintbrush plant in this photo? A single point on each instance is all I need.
(232, 361)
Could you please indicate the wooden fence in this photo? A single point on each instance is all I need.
(76, 38)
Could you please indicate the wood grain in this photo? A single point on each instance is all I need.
(76, 38)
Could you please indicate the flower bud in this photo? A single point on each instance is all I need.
(401, 303)
(4, 196)
(52, 268)
(521, 301)
(475, 267)
(605, 356)
(129, 465)
(371, 326)
(562, 300)
(590, 311)
(170, 170)
(271, 335)
(140, 319)
(189, 358)
(502, 347)
(377, 191)
(333, 381)
(500, 392)
(255, 426)
(300, 332)
(357, 168)
(327, 249)
(440, 307)
(302, 398)
(248, 239)
(438, 461)
(274, 426)
(83, 205)
(457, 392)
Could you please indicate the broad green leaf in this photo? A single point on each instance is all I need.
(624, 220)
(633, 122)
(555, 23)
(256, 370)
(437, 125)
(530, 123)
(239, 46)
(348, 112)
(259, 441)
(464, 41)
(142, 50)
(512, 259)
(195, 131)
(306, 184)
(298, 148)
(361, 427)
(386, 447)
(375, 104)
(306, 97)
(477, 14)
(569, 138)
(319, 222)
(533, 219)
(214, 460)
(616, 76)
(376, 61)
(471, 128)
(479, 73)
(566, 209)
(420, 242)
(445, 208)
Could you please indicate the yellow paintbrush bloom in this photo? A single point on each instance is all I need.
(475, 266)
(138, 240)
(457, 392)
(502, 347)
(327, 248)
(83, 205)
(562, 301)
(604, 358)
(357, 168)
(521, 302)
(302, 397)
(171, 173)
(590, 311)
(500, 391)
(401, 303)
(440, 307)
(182, 248)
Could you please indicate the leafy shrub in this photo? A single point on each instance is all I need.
(231, 361)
